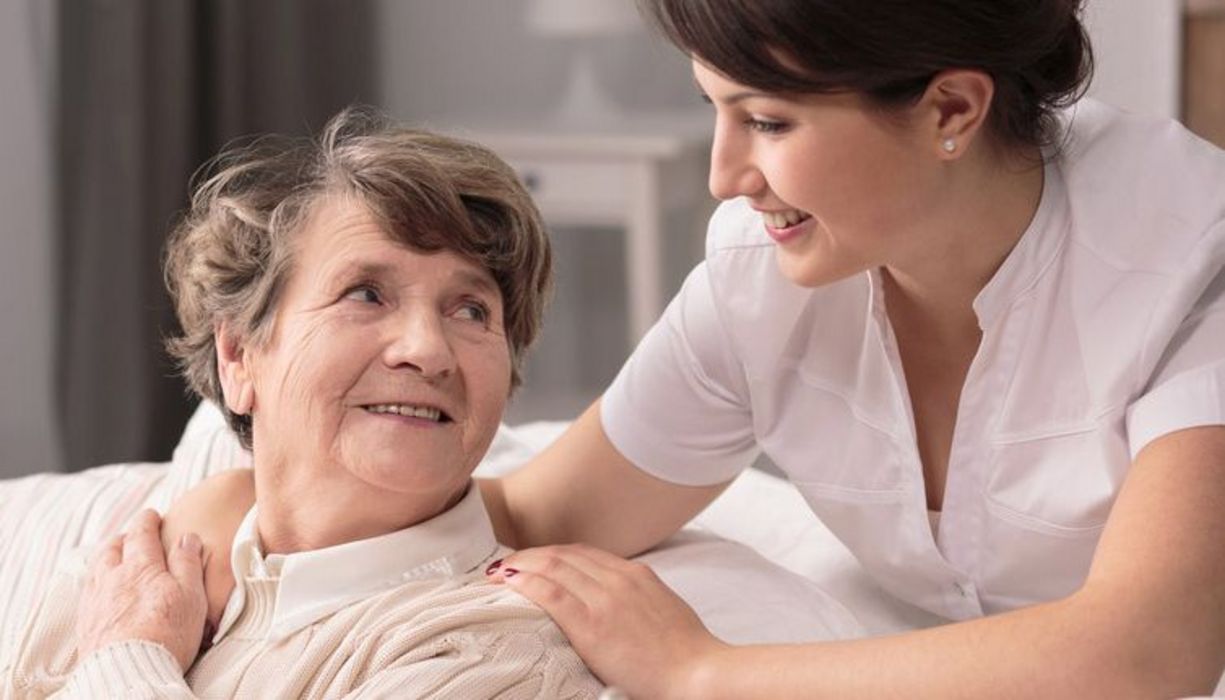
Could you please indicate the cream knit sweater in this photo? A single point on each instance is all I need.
(456, 638)
(433, 634)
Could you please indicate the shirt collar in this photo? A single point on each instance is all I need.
(1032, 255)
(319, 582)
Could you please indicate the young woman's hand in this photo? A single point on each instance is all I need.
(135, 591)
(629, 628)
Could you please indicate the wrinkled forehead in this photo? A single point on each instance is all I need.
(342, 237)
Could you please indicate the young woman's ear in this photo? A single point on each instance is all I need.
(956, 105)
(234, 370)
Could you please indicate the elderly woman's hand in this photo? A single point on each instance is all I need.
(629, 628)
(134, 591)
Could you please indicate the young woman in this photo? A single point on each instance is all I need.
(980, 327)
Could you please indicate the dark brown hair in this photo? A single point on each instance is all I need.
(1036, 51)
(232, 253)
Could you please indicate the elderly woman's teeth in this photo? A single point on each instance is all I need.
(784, 219)
(404, 410)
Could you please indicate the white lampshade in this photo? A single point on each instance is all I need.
(582, 17)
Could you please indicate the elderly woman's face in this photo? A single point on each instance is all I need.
(387, 367)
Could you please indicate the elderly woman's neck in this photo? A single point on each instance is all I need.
(318, 515)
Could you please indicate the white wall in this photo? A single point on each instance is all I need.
(28, 440)
(1138, 44)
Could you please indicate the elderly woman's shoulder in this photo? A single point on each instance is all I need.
(468, 602)
(499, 632)
(213, 510)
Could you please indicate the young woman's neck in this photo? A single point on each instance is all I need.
(986, 206)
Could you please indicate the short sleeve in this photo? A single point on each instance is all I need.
(1188, 386)
(679, 408)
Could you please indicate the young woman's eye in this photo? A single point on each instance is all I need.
(765, 126)
(364, 293)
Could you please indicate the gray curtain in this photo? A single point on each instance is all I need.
(148, 91)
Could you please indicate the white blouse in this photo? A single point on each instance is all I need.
(1102, 330)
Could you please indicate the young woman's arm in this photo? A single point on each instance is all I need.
(580, 489)
(1149, 621)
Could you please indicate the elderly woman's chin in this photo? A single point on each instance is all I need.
(409, 459)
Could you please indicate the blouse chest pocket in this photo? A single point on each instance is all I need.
(1060, 481)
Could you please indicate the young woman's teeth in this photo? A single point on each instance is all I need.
(784, 219)
(404, 410)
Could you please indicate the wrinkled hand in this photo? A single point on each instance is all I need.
(136, 591)
(628, 627)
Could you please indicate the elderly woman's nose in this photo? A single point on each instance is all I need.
(421, 343)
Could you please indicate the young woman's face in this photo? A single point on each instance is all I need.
(839, 186)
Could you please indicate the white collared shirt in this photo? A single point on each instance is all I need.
(1102, 330)
(312, 585)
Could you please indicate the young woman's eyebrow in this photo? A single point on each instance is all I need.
(733, 98)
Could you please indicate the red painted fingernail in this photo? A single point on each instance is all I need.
(509, 572)
(497, 564)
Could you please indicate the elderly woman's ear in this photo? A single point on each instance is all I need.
(233, 369)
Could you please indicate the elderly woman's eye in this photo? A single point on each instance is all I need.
(364, 293)
(474, 311)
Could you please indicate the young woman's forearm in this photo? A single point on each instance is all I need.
(1074, 648)
(581, 489)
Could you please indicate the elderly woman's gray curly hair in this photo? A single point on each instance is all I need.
(229, 258)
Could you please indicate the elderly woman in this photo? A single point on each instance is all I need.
(359, 306)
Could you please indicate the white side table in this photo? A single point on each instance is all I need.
(628, 175)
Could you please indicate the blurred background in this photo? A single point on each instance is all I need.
(108, 106)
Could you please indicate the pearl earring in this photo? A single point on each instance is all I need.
(949, 145)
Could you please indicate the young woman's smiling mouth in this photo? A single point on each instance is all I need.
(785, 224)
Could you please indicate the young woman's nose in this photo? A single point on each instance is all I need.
(420, 343)
(732, 170)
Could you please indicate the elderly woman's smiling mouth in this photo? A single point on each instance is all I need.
(413, 414)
